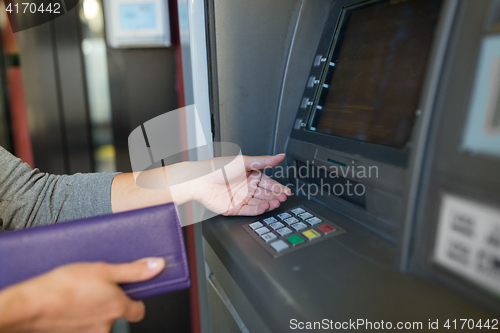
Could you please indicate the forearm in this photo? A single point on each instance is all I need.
(152, 188)
(29, 197)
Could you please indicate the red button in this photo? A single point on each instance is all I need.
(326, 228)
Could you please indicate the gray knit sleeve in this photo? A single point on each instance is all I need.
(31, 198)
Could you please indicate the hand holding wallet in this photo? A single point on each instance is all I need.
(115, 238)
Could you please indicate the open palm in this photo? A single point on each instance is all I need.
(237, 187)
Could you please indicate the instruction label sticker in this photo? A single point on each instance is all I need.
(468, 241)
(482, 130)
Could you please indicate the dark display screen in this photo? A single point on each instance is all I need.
(372, 91)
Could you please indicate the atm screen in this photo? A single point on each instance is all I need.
(372, 87)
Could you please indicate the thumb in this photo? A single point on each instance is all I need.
(140, 270)
(261, 162)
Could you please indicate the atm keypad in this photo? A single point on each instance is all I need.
(311, 234)
(327, 229)
(299, 226)
(284, 215)
(268, 237)
(295, 240)
(290, 230)
(305, 215)
(279, 246)
(270, 220)
(291, 220)
(261, 231)
(255, 225)
(298, 211)
(276, 225)
(284, 231)
(313, 220)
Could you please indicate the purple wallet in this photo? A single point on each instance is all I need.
(114, 238)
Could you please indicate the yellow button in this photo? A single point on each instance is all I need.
(311, 234)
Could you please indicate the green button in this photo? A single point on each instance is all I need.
(295, 240)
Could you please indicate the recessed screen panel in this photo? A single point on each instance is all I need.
(372, 88)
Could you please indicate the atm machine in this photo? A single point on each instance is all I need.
(388, 111)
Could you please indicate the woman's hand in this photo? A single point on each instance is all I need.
(82, 297)
(225, 185)
(233, 185)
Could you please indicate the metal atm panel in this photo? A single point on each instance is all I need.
(458, 214)
(361, 273)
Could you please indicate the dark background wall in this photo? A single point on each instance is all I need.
(56, 101)
(142, 86)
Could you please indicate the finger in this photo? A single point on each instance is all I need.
(257, 179)
(252, 210)
(273, 204)
(254, 202)
(261, 162)
(264, 194)
(134, 311)
(140, 270)
(258, 208)
(273, 186)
